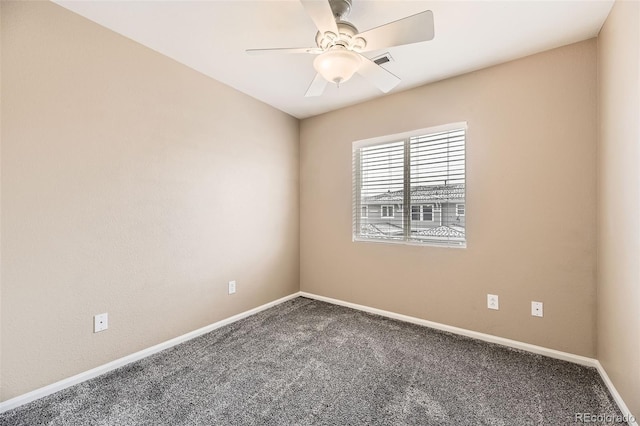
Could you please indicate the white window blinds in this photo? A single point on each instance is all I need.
(412, 187)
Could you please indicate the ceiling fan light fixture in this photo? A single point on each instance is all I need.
(337, 65)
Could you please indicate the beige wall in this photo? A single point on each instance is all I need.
(1, 202)
(531, 190)
(130, 185)
(619, 200)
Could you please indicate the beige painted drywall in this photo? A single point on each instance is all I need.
(130, 185)
(0, 202)
(619, 200)
(531, 194)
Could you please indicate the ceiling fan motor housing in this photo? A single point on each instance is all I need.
(346, 38)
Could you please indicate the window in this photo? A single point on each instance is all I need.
(415, 213)
(422, 213)
(387, 211)
(418, 180)
(427, 212)
(365, 212)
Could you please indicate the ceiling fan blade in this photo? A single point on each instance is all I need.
(279, 50)
(412, 29)
(378, 76)
(321, 15)
(317, 86)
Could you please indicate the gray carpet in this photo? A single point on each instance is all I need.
(307, 362)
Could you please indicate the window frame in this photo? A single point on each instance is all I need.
(406, 207)
(464, 209)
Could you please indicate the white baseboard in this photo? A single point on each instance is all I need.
(616, 396)
(94, 372)
(552, 353)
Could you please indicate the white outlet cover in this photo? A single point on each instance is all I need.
(232, 287)
(493, 302)
(536, 309)
(100, 322)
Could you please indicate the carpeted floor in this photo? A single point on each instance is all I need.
(308, 362)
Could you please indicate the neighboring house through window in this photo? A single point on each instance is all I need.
(365, 212)
(459, 209)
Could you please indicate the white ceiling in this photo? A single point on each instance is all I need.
(211, 37)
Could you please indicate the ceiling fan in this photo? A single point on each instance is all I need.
(340, 45)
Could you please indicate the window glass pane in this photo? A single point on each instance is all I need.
(415, 212)
(437, 176)
(427, 213)
(381, 182)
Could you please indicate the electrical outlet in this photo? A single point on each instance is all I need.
(100, 322)
(232, 287)
(536, 309)
(493, 302)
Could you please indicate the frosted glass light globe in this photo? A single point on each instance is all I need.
(337, 64)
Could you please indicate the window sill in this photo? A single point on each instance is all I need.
(408, 243)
